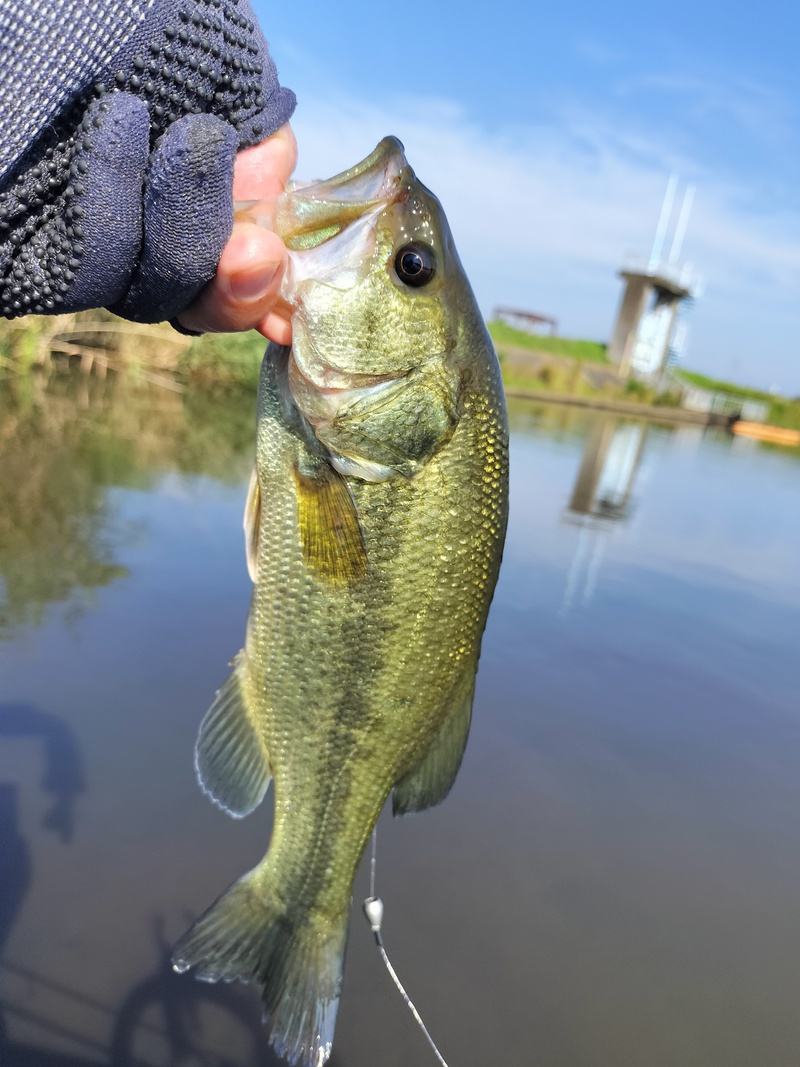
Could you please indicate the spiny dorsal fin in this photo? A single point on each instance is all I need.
(230, 757)
(252, 524)
(432, 779)
(330, 532)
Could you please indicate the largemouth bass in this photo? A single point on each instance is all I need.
(374, 525)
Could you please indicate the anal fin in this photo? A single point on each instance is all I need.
(230, 757)
(432, 779)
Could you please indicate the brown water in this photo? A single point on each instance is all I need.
(613, 882)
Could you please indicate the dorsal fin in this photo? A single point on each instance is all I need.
(330, 531)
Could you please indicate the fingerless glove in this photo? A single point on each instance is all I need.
(119, 126)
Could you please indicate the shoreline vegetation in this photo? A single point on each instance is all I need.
(543, 367)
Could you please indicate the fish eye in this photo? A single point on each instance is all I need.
(414, 265)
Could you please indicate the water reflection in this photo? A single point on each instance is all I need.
(67, 446)
(611, 456)
(54, 539)
(615, 879)
(15, 867)
(602, 496)
(64, 444)
(62, 779)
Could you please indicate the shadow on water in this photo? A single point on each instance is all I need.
(165, 1019)
(171, 1009)
(15, 870)
(63, 777)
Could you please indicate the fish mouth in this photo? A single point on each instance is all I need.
(329, 228)
(322, 399)
(310, 215)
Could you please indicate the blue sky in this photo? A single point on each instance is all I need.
(549, 133)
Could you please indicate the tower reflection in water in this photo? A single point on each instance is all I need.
(601, 498)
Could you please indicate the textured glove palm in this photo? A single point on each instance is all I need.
(123, 197)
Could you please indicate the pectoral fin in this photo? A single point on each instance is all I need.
(230, 757)
(432, 779)
(330, 532)
(252, 524)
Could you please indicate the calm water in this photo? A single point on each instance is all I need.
(613, 882)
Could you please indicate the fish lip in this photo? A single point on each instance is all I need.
(312, 214)
(387, 150)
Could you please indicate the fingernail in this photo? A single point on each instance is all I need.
(254, 282)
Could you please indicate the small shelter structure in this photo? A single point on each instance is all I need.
(525, 320)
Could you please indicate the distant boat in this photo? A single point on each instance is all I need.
(776, 435)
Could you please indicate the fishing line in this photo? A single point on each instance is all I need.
(372, 861)
(373, 909)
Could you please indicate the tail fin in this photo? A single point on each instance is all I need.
(245, 935)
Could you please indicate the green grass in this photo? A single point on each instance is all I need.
(503, 334)
(704, 382)
(234, 360)
(785, 413)
(782, 411)
(553, 378)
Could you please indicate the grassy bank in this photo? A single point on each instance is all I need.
(96, 341)
(581, 368)
(237, 358)
(505, 336)
(716, 384)
(100, 342)
(562, 365)
(783, 411)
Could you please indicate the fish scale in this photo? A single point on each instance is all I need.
(375, 529)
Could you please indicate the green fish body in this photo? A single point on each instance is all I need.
(375, 526)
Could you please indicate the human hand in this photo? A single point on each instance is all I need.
(117, 161)
(244, 293)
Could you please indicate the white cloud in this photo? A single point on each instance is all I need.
(758, 110)
(545, 215)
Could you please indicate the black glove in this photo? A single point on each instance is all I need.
(122, 197)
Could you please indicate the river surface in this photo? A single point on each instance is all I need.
(614, 881)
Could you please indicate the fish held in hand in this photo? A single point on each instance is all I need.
(374, 529)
